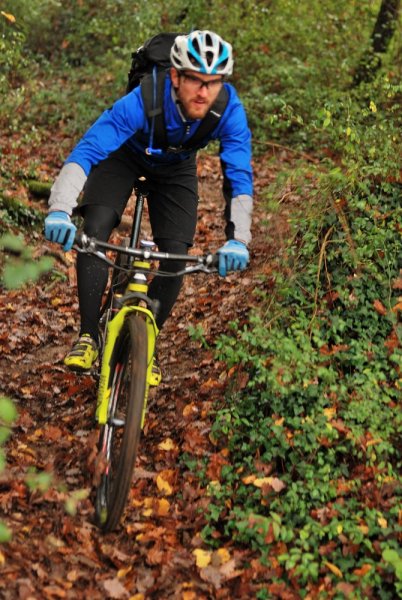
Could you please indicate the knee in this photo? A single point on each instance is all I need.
(173, 247)
(99, 221)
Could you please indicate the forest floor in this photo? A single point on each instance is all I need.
(55, 553)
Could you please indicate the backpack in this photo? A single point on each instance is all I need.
(149, 67)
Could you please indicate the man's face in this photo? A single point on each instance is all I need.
(196, 91)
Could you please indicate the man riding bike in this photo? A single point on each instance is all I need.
(115, 151)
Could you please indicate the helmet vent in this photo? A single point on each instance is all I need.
(209, 57)
(192, 60)
(196, 46)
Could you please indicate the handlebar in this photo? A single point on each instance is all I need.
(207, 263)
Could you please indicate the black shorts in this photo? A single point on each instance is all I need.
(173, 192)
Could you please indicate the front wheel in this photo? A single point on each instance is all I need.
(120, 436)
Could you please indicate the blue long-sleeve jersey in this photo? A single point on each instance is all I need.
(126, 119)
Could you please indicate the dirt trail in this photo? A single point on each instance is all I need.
(54, 554)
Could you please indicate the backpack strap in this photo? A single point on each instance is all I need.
(152, 90)
(209, 122)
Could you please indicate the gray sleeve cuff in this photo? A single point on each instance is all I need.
(66, 188)
(241, 209)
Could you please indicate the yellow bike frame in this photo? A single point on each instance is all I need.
(113, 330)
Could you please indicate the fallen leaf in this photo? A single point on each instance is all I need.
(189, 409)
(327, 549)
(202, 558)
(163, 486)
(334, 569)
(347, 589)
(123, 572)
(276, 484)
(216, 462)
(329, 413)
(364, 528)
(155, 555)
(382, 522)
(379, 307)
(220, 556)
(364, 569)
(249, 479)
(392, 341)
(158, 506)
(54, 591)
(330, 351)
(72, 575)
(8, 16)
(163, 507)
(217, 575)
(167, 444)
(52, 433)
(115, 589)
(374, 442)
(212, 575)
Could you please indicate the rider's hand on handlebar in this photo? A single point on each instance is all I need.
(233, 256)
(60, 229)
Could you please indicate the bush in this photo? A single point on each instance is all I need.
(13, 62)
(321, 414)
(8, 415)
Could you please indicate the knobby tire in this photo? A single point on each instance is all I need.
(119, 443)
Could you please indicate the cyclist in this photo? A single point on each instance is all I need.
(112, 154)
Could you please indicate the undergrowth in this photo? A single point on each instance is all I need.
(314, 478)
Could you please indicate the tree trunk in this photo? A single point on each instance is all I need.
(383, 31)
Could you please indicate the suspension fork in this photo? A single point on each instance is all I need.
(113, 330)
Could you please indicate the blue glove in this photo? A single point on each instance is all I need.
(233, 256)
(58, 228)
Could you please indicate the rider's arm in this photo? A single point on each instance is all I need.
(235, 153)
(107, 134)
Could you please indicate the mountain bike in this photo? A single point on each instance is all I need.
(127, 345)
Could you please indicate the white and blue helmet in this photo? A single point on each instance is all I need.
(202, 51)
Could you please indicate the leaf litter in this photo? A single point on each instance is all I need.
(157, 552)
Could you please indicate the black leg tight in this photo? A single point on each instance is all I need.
(166, 289)
(92, 273)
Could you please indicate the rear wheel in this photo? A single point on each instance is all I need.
(119, 438)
